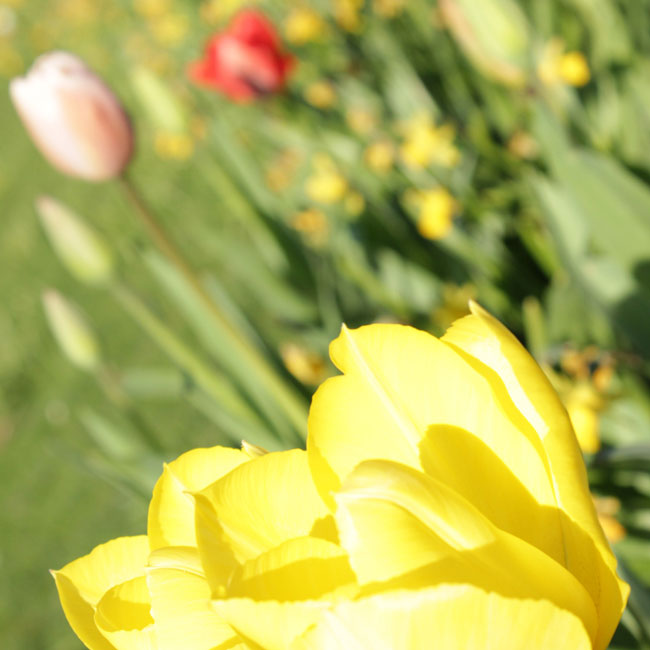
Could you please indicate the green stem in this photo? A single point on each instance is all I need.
(286, 397)
(206, 378)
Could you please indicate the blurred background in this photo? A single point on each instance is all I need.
(418, 154)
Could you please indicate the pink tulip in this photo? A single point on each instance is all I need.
(73, 117)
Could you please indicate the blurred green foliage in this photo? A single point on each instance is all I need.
(423, 153)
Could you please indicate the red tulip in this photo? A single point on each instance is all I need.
(245, 61)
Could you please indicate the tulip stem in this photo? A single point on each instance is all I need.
(276, 387)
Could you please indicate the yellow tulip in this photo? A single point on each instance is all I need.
(442, 496)
(452, 463)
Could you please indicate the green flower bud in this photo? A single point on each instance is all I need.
(80, 249)
(494, 34)
(71, 330)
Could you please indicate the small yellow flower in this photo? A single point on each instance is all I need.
(574, 69)
(303, 25)
(79, 12)
(436, 212)
(583, 405)
(326, 184)
(559, 67)
(523, 145)
(173, 146)
(151, 8)
(388, 8)
(425, 143)
(348, 14)
(360, 119)
(607, 508)
(169, 29)
(380, 156)
(312, 224)
(306, 366)
(321, 94)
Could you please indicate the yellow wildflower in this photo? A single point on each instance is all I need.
(557, 66)
(388, 8)
(380, 155)
(574, 69)
(303, 25)
(360, 119)
(79, 12)
(306, 366)
(435, 213)
(174, 146)
(523, 145)
(321, 94)
(348, 14)
(151, 8)
(607, 509)
(425, 144)
(169, 29)
(583, 405)
(312, 224)
(326, 184)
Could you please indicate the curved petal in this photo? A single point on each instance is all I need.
(447, 617)
(400, 525)
(397, 383)
(497, 355)
(82, 583)
(270, 624)
(171, 511)
(254, 508)
(303, 568)
(180, 605)
(123, 616)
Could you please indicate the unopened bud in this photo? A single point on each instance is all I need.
(73, 117)
(80, 249)
(71, 331)
(494, 34)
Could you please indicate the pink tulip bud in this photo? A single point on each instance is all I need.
(73, 117)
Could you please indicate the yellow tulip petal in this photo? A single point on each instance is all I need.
(398, 382)
(446, 617)
(183, 614)
(185, 558)
(497, 355)
(82, 583)
(304, 568)
(171, 511)
(271, 624)
(123, 616)
(254, 508)
(397, 522)
(466, 464)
